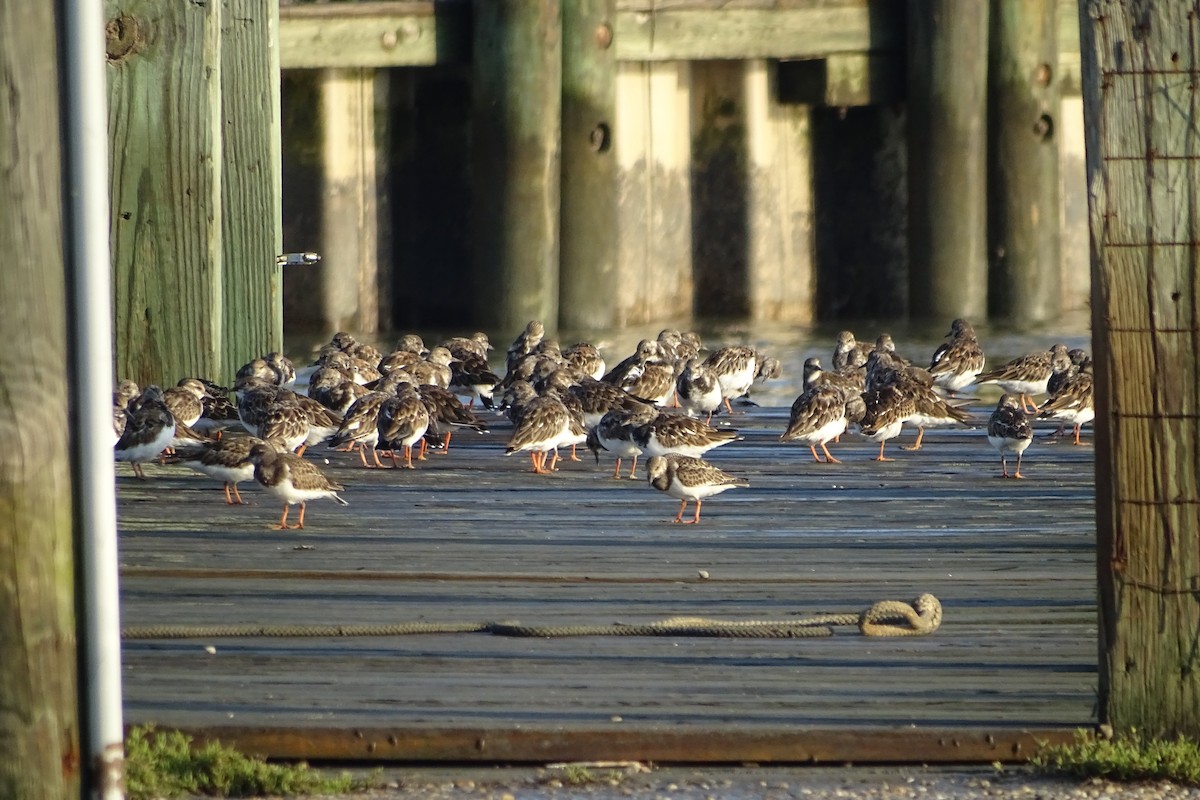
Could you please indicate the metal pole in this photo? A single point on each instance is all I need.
(85, 127)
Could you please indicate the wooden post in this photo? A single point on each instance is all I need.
(1025, 279)
(516, 124)
(350, 221)
(1139, 73)
(164, 122)
(40, 726)
(947, 90)
(653, 142)
(252, 301)
(589, 167)
(781, 275)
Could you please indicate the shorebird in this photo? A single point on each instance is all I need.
(149, 429)
(226, 459)
(818, 415)
(686, 478)
(292, 479)
(1025, 376)
(957, 363)
(1009, 432)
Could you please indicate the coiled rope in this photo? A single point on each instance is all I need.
(886, 618)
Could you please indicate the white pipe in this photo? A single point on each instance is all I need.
(86, 218)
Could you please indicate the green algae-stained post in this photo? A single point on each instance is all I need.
(164, 126)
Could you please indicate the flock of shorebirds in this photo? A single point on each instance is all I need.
(658, 403)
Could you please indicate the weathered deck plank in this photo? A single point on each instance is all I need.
(472, 537)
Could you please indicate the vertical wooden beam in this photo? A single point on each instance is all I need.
(164, 123)
(1075, 252)
(781, 275)
(349, 270)
(40, 726)
(653, 142)
(516, 126)
(587, 288)
(947, 166)
(1140, 68)
(252, 302)
(1025, 279)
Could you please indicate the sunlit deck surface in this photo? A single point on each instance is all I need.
(473, 536)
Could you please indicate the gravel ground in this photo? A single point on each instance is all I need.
(604, 782)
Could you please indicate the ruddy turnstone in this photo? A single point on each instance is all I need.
(285, 423)
(544, 423)
(526, 343)
(959, 360)
(186, 400)
(446, 412)
(930, 410)
(360, 427)
(676, 434)
(226, 459)
(292, 479)
(472, 378)
(125, 391)
(1073, 404)
(597, 398)
(434, 369)
(887, 409)
(818, 415)
(848, 352)
(1009, 432)
(1025, 376)
(585, 358)
(686, 478)
(149, 429)
(614, 433)
(736, 367)
(698, 389)
(402, 422)
(476, 345)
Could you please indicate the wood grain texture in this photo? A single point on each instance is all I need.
(166, 196)
(374, 35)
(251, 291)
(1139, 74)
(39, 725)
(473, 536)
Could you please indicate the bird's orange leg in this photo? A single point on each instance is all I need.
(573, 456)
(300, 523)
(617, 468)
(553, 461)
(375, 455)
(228, 498)
(408, 456)
(1003, 467)
(446, 443)
(829, 456)
(633, 469)
(1018, 474)
(137, 470)
(1078, 429)
(300, 450)
(282, 526)
(238, 495)
(880, 456)
(728, 407)
(679, 516)
(696, 518)
(916, 445)
(420, 453)
(816, 457)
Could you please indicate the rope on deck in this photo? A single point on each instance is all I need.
(885, 618)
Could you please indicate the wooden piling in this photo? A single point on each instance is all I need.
(1025, 275)
(164, 82)
(516, 127)
(653, 142)
(947, 90)
(41, 733)
(1139, 73)
(589, 167)
(252, 299)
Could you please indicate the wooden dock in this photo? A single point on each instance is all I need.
(473, 536)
